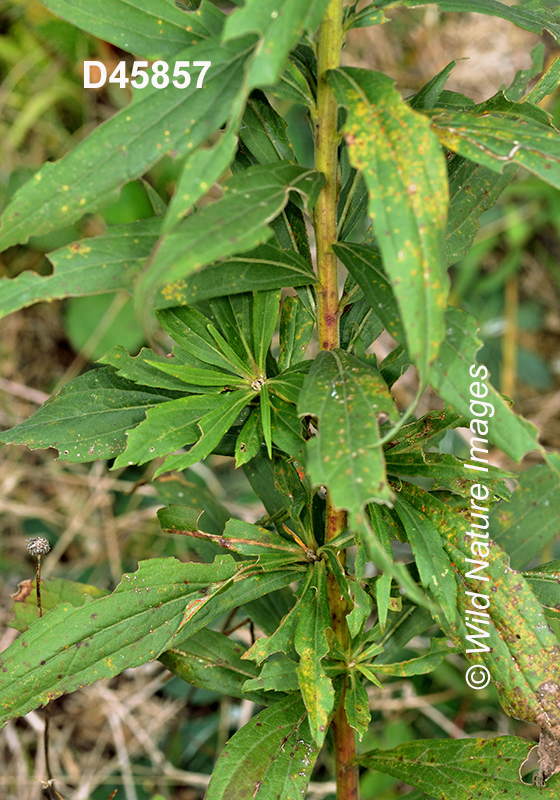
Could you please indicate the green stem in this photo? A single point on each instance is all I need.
(326, 145)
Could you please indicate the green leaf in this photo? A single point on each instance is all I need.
(468, 768)
(212, 661)
(312, 645)
(292, 86)
(151, 28)
(545, 583)
(239, 536)
(266, 306)
(249, 440)
(53, 592)
(369, 15)
(420, 665)
(88, 419)
(515, 644)
(213, 426)
(163, 602)
(431, 559)
(91, 266)
(263, 132)
(408, 200)
(346, 396)
(288, 384)
(416, 435)
(279, 25)
(276, 676)
(273, 755)
(235, 224)
(286, 427)
(429, 94)
(296, 329)
(282, 640)
(174, 425)
(533, 17)
(143, 369)
(151, 126)
(447, 472)
(451, 379)
(356, 704)
(495, 140)
(525, 525)
(262, 269)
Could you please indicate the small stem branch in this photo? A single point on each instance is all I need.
(326, 143)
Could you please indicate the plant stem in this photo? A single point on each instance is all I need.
(326, 144)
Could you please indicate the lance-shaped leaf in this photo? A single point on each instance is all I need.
(273, 755)
(406, 177)
(420, 665)
(212, 661)
(235, 224)
(534, 17)
(88, 419)
(279, 25)
(91, 266)
(452, 380)
(239, 536)
(416, 435)
(431, 559)
(495, 140)
(346, 396)
(296, 329)
(514, 641)
(265, 268)
(356, 704)
(158, 121)
(544, 580)
(277, 676)
(73, 647)
(312, 645)
(151, 28)
(526, 524)
(468, 768)
(213, 426)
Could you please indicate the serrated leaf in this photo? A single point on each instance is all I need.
(213, 426)
(279, 25)
(273, 755)
(417, 666)
(514, 642)
(530, 521)
(282, 640)
(468, 768)
(239, 536)
(276, 676)
(235, 224)
(174, 425)
(408, 200)
(346, 396)
(91, 266)
(88, 418)
(151, 28)
(261, 269)
(431, 559)
(212, 661)
(163, 602)
(451, 379)
(53, 592)
(495, 140)
(296, 329)
(312, 646)
(87, 178)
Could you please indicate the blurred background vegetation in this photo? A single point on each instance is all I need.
(143, 732)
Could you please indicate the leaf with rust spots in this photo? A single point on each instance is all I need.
(71, 647)
(347, 396)
(272, 756)
(312, 645)
(520, 650)
(469, 769)
(53, 592)
(530, 521)
(405, 172)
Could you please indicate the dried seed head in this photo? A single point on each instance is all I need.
(37, 546)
